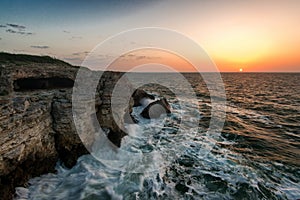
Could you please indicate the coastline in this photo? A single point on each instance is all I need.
(36, 124)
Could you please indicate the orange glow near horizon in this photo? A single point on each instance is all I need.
(141, 57)
(240, 63)
(255, 49)
(241, 46)
(251, 50)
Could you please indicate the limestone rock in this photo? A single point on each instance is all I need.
(36, 122)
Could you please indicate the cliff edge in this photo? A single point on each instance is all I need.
(36, 123)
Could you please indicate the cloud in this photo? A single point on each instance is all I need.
(139, 57)
(11, 31)
(80, 53)
(17, 26)
(127, 55)
(39, 47)
(75, 37)
(16, 29)
(66, 31)
(18, 32)
(2, 26)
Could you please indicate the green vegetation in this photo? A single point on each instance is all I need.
(27, 59)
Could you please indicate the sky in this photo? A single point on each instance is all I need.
(255, 36)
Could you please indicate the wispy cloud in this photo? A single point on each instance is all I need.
(2, 26)
(80, 53)
(16, 29)
(76, 37)
(141, 57)
(18, 32)
(17, 26)
(11, 31)
(40, 47)
(138, 57)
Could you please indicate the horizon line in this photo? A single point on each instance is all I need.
(238, 72)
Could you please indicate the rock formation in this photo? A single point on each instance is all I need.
(138, 95)
(36, 122)
(156, 109)
(36, 119)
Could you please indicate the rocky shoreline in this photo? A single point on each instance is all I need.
(36, 123)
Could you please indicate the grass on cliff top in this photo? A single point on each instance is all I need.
(27, 59)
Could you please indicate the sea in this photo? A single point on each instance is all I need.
(255, 155)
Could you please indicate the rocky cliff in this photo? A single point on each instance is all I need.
(36, 123)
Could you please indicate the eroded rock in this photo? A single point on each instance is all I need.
(156, 109)
(36, 123)
(138, 95)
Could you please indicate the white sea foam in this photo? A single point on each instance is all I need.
(159, 158)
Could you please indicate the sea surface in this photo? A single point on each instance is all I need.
(255, 156)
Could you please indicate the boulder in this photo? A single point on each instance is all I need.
(156, 108)
(138, 95)
(138, 98)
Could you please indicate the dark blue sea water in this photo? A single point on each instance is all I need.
(255, 156)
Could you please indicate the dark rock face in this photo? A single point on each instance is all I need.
(25, 84)
(136, 100)
(27, 140)
(156, 108)
(115, 125)
(116, 137)
(67, 143)
(138, 95)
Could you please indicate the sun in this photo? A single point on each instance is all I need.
(241, 69)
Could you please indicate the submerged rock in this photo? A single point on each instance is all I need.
(181, 187)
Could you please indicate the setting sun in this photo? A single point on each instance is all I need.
(241, 69)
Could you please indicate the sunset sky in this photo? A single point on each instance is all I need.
(251, 35)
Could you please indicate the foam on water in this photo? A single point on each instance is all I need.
(167, 162)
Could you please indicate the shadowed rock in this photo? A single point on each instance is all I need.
(138, 95)
(156, 108)
(116, 137)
